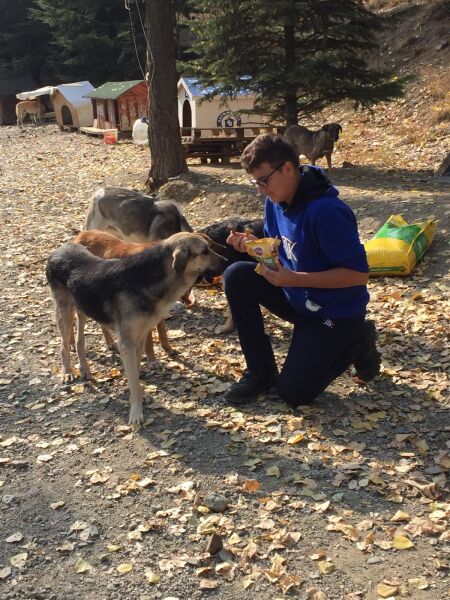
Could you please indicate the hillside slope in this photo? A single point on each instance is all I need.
(412, 132)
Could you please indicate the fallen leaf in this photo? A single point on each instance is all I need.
(208, 584)
(326, 567)
(289, 582)
(386, 591)
(152, 577)
(401, 542)
(124, 568)
(19, 560)
(81, 566)
(273, 471)
(14, 537)
(400, 516)
(296, 439)
(251, 485)
(419, 583)
(5, 572)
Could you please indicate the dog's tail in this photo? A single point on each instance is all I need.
(93, 208)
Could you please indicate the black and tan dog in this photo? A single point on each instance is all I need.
(314, 144)
(128, 295)
(219, 233)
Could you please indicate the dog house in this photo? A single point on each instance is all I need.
(72, 109)
(116, 105)
(44, 94)
(8, 90)
(213, 113)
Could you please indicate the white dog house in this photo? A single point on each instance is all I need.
(72, 110)
(215, 112)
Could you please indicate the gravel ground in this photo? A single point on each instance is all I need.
(346, 499)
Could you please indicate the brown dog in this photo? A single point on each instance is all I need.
(105, 245)
(34, 108)
(313, 144)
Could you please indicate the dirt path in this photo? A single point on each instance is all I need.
(329, 503)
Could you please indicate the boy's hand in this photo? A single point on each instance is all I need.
(282, 277)
(237, 239)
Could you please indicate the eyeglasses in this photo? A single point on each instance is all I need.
(264, 181)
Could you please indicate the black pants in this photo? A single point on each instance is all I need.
(320, 349)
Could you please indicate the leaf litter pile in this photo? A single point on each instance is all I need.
(346, 499)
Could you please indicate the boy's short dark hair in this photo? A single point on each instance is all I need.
(270, 149)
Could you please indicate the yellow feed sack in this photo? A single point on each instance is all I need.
(398, 245)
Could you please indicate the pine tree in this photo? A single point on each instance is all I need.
(297, 56)
(92, 39)
(23, 41)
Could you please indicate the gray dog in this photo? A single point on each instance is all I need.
(313, 144)
(133, 217)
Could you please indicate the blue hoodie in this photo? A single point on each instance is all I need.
(319, 232)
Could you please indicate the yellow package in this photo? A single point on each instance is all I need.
(398, 245)
(265, 250)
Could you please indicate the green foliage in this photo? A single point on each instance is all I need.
(91, 39)
(301, 55)
(23, 42)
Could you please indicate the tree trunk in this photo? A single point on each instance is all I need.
(290, 95)
(167, 155)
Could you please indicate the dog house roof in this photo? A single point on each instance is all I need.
(75, 92)
(48, 89)
(197, 90)
(113, 89)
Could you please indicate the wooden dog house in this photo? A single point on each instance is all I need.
(117, 104)
(72, 109)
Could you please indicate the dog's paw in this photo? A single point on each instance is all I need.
(170, 351)
(155, 365)
(136, 415)
(225, 328)
(67, 378)
(85, 375)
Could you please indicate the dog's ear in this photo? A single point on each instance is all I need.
(340, 127)
(326, 127)
(180, 258)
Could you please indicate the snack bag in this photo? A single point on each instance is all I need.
(398, 245)
(265, 250)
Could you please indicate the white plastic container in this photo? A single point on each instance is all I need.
(140, 131)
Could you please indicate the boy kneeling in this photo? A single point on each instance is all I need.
(319, 285)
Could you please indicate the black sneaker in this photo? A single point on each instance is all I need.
(252, 384)
(367, 365)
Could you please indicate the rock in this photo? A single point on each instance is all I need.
(347, 165)
(215, 544)
(215, 502)
(178, 190)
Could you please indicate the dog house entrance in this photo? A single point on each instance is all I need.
(66, 115)
(187, 114)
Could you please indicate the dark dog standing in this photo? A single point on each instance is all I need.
(219, 233)
(314, 144)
